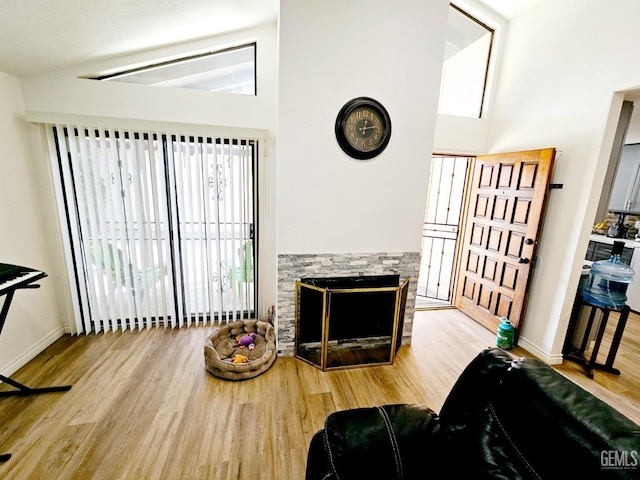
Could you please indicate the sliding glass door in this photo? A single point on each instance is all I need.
(213, 205)
(160, 227)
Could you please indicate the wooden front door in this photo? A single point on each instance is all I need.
(506, 204)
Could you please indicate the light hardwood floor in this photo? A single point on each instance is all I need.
(143, 406)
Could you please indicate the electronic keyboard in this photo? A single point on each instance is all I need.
(13, 277)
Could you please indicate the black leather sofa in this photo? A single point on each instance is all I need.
(504, 418)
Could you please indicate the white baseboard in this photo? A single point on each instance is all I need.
(542, 355)
(34, 351)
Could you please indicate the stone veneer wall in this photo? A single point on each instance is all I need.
(292, 267)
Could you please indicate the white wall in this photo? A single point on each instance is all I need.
(34, 320)
(562, 63)
(329, 53)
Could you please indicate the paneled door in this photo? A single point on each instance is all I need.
(506, 205)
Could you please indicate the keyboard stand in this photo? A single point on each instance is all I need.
(22, 390)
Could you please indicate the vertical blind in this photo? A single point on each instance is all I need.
(160, 226)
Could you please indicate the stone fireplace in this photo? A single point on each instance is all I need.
(294, 267)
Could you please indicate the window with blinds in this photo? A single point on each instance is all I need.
(160, 226)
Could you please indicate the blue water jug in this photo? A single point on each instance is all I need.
(505, 334)
(608, 281)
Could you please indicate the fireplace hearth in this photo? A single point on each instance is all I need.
(344, 322)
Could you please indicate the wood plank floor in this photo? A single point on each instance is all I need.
(143, 406)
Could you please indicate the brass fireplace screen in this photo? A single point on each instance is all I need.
(344, 322)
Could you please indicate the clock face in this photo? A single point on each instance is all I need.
(363, 128)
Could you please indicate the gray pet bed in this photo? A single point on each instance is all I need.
(221, 346)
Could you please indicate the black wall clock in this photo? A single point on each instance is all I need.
(363, 128)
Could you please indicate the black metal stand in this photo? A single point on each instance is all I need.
(590, 364)
(22, 390)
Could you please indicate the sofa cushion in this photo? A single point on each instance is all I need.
(529, 422)
(381, 442)
(475, 387)
(552, 420)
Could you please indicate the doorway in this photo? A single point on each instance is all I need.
(441, 230)
(507, 197)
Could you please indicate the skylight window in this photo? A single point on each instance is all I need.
(232, 70)
(466, 65)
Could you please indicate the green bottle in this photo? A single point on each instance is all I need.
(506, 334)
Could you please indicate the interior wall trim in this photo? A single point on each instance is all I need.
(147, 125)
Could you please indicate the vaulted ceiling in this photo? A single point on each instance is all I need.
(39, 36)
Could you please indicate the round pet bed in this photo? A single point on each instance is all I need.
(221, 346)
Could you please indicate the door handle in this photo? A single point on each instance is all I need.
(523, 260)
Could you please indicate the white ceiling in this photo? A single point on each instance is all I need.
(37, 36)
(507, 9)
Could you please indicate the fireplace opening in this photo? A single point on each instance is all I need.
(349, 321)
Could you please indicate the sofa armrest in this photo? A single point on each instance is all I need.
(392, 441)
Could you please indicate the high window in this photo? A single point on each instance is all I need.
(232, 70)
(466, 65)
